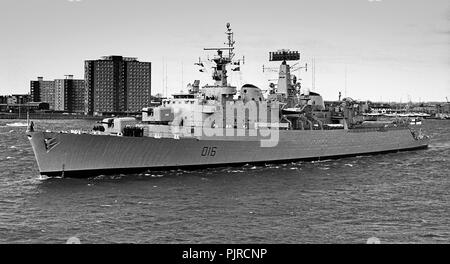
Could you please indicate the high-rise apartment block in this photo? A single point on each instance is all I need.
(116, 84)
(43, 91)
(61, 94)
(112, 84)
(69, 95)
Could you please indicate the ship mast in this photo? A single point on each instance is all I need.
(231, 42)
(220, 73)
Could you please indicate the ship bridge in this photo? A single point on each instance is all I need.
(218, 92)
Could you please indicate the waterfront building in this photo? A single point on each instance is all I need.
(3, 99)
(43, 91)
(18, 99)
(61, 94)
(116, 84)
(69, 94)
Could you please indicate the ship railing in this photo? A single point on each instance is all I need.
(168, 135)
(374, 129)
(72, 131)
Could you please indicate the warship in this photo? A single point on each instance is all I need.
(221, 125)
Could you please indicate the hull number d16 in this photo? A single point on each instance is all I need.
(209, 151)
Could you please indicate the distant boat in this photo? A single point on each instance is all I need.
(442, 116)
(415, 121)
(17, 124)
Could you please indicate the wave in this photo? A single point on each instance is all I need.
(17, 124)
(440, 145)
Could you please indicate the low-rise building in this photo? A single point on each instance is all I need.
(3, 99)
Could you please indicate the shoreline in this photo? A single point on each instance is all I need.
(49, 116)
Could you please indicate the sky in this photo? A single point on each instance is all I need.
(379, 50)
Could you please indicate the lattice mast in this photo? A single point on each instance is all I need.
(221, 60)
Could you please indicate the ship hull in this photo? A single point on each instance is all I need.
(86, 155)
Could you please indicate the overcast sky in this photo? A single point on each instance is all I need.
(393, 50)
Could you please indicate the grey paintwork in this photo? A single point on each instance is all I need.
(79, 152)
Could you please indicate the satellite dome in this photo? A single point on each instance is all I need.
(250, 92)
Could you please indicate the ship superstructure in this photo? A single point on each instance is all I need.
(216, 125)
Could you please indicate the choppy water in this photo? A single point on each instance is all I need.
(399, 198)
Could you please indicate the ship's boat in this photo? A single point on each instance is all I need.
(219, 124)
